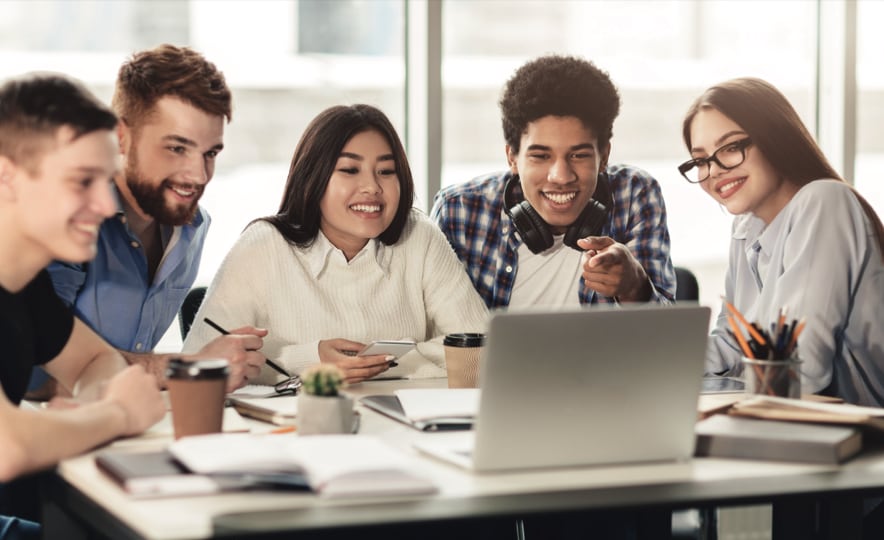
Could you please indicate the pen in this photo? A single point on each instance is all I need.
(217, 327)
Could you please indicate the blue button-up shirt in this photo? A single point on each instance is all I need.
(472, 216)
(112, 293)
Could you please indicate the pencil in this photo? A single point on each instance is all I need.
(740, 339)
(218, 327)
(796, 333)
(752, 331)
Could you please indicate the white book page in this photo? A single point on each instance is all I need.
(282, 404)
(435, 403)
(336, 465)
(834, 408)
(254, 391)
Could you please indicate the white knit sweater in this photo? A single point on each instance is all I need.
(414, 289)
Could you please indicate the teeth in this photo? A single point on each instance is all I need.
(366, 207)
(89, 228)
(730, 185)
(560, 198)
(182, 192)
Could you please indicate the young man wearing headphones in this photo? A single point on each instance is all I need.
(561, 227)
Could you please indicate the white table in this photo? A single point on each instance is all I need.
(81, 496)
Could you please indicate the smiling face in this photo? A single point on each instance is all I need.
(362, 195)
(169, 160)
(752, 186)
(62, 203)
(558, 164)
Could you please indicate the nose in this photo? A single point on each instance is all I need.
(368, 183)
(561, 172)
(198, 171)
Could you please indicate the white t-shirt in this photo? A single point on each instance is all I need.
(548, 279)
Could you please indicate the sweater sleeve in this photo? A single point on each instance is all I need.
(452, 304)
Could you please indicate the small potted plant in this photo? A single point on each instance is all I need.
(321, 406)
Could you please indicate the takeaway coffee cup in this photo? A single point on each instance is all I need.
(196, 391)
(462, 352)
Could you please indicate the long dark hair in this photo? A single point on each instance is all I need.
(314, 161)
(765, 114)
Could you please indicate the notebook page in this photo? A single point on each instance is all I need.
(434, 403)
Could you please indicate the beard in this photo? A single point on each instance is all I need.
(151, 198)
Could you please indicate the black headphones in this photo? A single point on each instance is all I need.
(535, 232)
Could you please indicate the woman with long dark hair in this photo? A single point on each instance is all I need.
(346, 260)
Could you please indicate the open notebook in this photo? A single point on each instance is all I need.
(584, 387)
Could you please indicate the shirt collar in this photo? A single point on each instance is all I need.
(321, 252)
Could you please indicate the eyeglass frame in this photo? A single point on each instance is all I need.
(740, 145)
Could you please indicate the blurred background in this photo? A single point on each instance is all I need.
(437, 67)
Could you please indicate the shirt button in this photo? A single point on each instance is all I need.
(506, 230)
(138, 346)
(508, 269)
(134, 244)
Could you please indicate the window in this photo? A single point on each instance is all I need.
(870, 104)
(285, 61)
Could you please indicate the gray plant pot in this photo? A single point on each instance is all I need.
(324, 414)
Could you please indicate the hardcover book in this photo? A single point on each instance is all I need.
(730, 436)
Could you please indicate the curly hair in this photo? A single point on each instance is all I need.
(559, 86)
(168, 70)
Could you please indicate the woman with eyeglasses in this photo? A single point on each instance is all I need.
(802, 239)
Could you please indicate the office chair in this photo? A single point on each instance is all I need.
(687, 287)
(189, 308)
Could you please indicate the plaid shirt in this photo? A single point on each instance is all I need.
(472, 216)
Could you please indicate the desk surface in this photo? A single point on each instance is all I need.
(465, 495)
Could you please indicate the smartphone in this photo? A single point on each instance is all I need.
(389, 347)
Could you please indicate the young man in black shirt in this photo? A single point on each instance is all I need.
(58, 157)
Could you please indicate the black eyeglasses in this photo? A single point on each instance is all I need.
(727, 157)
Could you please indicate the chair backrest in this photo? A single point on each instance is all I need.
(687, 287)
(189, 308)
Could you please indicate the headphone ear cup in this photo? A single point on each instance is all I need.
(589, 223)
(533, 230)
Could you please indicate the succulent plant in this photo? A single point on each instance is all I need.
(322, 380)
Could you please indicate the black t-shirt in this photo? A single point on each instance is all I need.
(34, 327)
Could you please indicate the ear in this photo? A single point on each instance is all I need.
(605, 154)
(7, 175)
(124, 136)
(512, 159)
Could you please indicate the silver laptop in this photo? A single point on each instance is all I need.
(584, 387)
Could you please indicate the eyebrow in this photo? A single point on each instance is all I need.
(581, 146)
(357, 157)
(191, 143)
(721, 139)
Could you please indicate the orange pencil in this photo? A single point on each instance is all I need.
(798, 329)
(285, 429)
(740, 339)
(752, 331)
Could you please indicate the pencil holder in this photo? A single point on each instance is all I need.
(780, 378)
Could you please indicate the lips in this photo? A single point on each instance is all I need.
(366, 208)
(726, 188)
(185, 191)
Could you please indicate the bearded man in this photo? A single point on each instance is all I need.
(172, 106)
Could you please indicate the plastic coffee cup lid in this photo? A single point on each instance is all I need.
(198, 369)
(464, 340)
